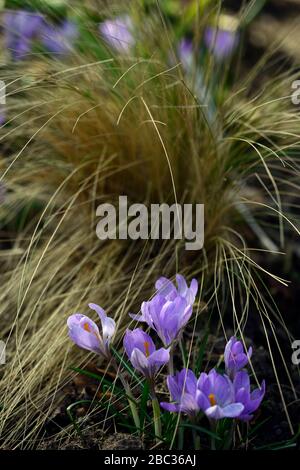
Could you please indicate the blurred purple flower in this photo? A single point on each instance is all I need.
(217, 396)
(141, 351)
(85, 333)
(185, 52)
(235, 356)
(59, 39)
(2, 116)
(170, 309)
(220, 41)
(20, 28)
(118, 33)
(184, 393)
(243, 394)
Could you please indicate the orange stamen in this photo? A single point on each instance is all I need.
(146, 345)
(87, 327)
(212, 399)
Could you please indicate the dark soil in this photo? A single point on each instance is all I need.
(94, 440)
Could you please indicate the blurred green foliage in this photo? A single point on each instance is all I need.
(54, 8)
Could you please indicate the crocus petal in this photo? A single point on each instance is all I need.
(183, 381)
(189, 404)
(137, 317)
(139, 361)
(194, 287)
(2, 118)
(99, 310)
(214, 412)
(174, 389)
(108, 329)
(203, 401)
(118, 33)
(59, 39)
(128, 343)
(182, 285)
(242, 395)
(242, 380)
(234, 356)
(229, 411)
(184, 392)
(20, 28)
(142, 353)
(228, 347)
(108, 324)
(137, 338)
(202, 379)
(258, 393)
(164, 286)
(224, 390)
(221, 42)
(189, 381)
(159, 358)
(170, 407)
(249, 353)
(186, 316)
(74, 319)
(251, 401)
(256, 398)
(84, 332)
(185, 53)
(233, 410)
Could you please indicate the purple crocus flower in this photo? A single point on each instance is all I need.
(20, 28)
(2, 116)
(166, 288)
(118, 33)
(217, 396)
(59, 39)
(85, 333)
(141, 351)
(170, 309)
(212, 393)
(184, 393)
(185, 52)
(235, 356)
(243, 394)
(220, 41)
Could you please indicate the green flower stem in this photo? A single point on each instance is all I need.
(156, 413)
(196, 439)
(229, 437)
(130, 397)
(213, 427)
(132, 404)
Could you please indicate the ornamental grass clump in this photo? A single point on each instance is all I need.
(214, 395)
